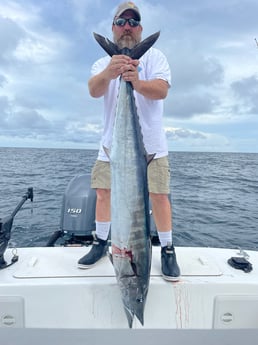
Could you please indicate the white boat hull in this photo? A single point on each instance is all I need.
(45, 289)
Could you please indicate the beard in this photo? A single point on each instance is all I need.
(127, 40)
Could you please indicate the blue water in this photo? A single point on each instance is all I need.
(214, 195)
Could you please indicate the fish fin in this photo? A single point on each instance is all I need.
(107, 152)
(150, 157)
(138, 51)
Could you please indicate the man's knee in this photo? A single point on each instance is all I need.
(159, 198)
(103, 194)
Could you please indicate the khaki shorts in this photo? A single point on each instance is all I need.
(158, 176)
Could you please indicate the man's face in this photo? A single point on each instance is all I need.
(127, 36)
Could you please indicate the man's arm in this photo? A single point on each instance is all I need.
(126, 67)
(153, 89)
(98, 84)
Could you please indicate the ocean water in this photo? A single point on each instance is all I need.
(214, 195)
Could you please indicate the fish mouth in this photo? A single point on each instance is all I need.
(135, 309)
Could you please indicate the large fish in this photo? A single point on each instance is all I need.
(130, 231)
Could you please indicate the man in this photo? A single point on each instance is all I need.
(150, 78)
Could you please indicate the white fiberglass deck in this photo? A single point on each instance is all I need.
(45, 289)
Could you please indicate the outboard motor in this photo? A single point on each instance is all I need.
(78, 207)
(78, 214)
(77, 220)
(6, 224)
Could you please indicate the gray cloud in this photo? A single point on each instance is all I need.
(10, 36)
(190, 70)
(2, 80)
(246, 92)
(180, 133)
(4, 105)
(47, 48)
(185, 105)
(28, 119)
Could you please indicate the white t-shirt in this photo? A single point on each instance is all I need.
(153, 65)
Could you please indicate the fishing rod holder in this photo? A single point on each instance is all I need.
(6, 224)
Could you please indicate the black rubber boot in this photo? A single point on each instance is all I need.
(169, 267)
(98, 250)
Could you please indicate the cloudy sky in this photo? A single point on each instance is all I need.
(47, 49)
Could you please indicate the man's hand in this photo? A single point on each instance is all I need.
(122, 65)
(130, 71)
(119, 65)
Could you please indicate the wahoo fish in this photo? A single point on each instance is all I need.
(130, 215)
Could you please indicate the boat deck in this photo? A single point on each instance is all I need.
(45, 289)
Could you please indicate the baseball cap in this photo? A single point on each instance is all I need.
(129, 5)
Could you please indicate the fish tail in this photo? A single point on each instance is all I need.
(140, 49)
(135, 53)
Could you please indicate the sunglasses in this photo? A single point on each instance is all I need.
(122, 21)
